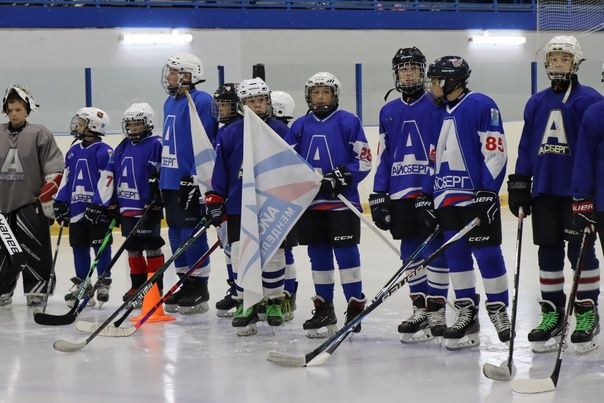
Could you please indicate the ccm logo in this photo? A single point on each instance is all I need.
(342, 238)
(479, 238)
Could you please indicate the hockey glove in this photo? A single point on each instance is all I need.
(334, 182)
(519, 194)
(584, 216)
(95, 214)
(424, 205)
(61, 212)
(156, 196)
(188, 194)
(214, 208)
(47, 192)
(379, 203)
(486, 204)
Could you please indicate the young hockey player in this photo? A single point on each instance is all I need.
(135, 167)
(225, 199)
(406, 126)
(334, 143)
(31, 166)
(283, 106)
(77, 201)
(470, 161)
(181, 194)
(546, 154)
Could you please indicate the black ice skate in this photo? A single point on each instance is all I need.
(35, 300)
(585, 336)
(129, 294)
(226, 307)
(245, 321)
(323, 316)
(102, 292)
(545, 337)
(500, 319)
(194, 298)
(355, 307)
(416, 327)
(274, 316)
(436, 309)
(70, 297)
(464, 332)
(171, 303)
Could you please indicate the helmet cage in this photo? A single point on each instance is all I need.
(408, 58)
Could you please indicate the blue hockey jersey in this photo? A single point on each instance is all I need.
(470, 151)
(226, 176)
(547, 146)
(403, 153)
(588, 171)
(338, 140)
(81, 183)
(177, 152)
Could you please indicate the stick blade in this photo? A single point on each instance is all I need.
(286, 360)
(319, 359)
(109, 331)
(528, 386)
(85, 326)
(68, 346)
(497, 372)
(55, 320)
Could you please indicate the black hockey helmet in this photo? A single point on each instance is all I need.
(454, 70)
(408, 57)
(225, 95)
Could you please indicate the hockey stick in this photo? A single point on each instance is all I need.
(369, 224)
(528, 385)
(67, 346)
(58, 320)
(322, 353)
(117, 331)
(259, 71)
(503, 372)
(52, 278)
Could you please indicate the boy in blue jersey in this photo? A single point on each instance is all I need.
(181, 195)
(546, 154)
(333, 142)
(397, 202)
(225, 200)
(470, 157)
(78, 199)
(588, 210)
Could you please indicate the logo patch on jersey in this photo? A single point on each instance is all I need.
(126, 184)
(318, 153)
(410, 156)
(82, 189)
(168, 151)
(451, 168)
(494, 117)
(554, 139)
(12, 169)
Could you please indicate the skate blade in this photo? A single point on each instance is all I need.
(467, 341)
(225, 314)
(249, 330)
(586, 347)
(171, 308)
(497, 372)
(189, 310)
(286, 360)
(528, 386)
(549, 346)
(317, 334)
(420, 336)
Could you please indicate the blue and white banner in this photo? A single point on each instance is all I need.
(203, 152)
(278, 186)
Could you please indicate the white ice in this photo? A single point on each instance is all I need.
(200, 359)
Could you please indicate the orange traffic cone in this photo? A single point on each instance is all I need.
(149, 302)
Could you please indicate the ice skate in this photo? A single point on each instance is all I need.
(35, 300)
(245, 321)
(274, 315)
(70, 297)
(324, 317)
(436, 309)
(355, 307)
(288, 306)
(545, 337)
(171, 303)
(102, 292)
(129, 294)
(416, 328)
(464, 332)
(262, 310)
(500, 319)
(194, 298)
(585, 336)
(226, 307)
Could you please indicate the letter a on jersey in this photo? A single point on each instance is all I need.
(126, 185)
(450, 161)
(168, 152)
(318, 151)
(82, 184)
(12, 168)
(554, 139)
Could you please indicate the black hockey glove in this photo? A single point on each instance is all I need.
(188, 194)
(95, 214)
(215, 208)
(334, 182)
(584, 216)
(61, 210)
(519, 194)
(486, 204)
(156, 196)
(379, 203)
(426, 213)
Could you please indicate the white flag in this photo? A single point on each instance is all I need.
(204, 153)
(278, 186)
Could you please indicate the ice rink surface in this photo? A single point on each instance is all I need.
(199, 358)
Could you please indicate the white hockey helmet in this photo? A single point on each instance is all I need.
(323, 79)
(93, 119)
(182, 63)
(22, 92)
(255, 88)
(283, 104)
(567, 44)
(142, 114)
